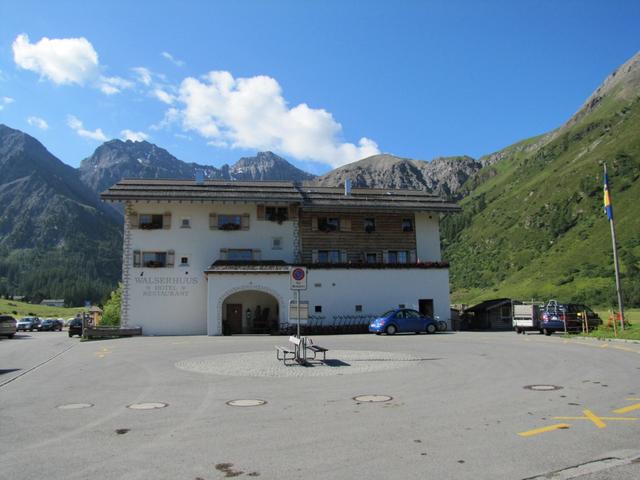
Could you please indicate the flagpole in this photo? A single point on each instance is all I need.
(615, 258)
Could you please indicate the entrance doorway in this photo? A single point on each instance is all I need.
(250, 311)
(425, 306)
(234, 317)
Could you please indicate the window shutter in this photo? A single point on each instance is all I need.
(133, 220)
(171, 258)
(314, 224)
(345, 224)
(314, 256)
(343, 256)
(385, 256)
(166, 221)
(213, 221)
(412, 256)
(244, 221)
(293, 212)
(224, 253)
(136, 258)
(261, 212)
(257, 254)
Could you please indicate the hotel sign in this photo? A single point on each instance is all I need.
(166, 286)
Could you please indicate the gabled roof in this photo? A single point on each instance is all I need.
(307, 195)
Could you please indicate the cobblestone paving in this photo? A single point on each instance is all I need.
(265, 364)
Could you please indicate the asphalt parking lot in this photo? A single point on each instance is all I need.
(462, 406)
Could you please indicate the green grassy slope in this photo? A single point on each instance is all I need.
(533, 225)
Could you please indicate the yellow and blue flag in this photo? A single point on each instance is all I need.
(607, 198)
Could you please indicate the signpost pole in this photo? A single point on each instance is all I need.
(298, 310)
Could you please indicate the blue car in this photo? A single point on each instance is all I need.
(403, 320)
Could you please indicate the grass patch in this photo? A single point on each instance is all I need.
(632, 332)
(22, 309)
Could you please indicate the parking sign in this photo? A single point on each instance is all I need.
(298, 278)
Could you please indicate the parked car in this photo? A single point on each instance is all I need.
(7, 326)
(28, 323)
(554, 316)
(68, 321)
(50, 325)
(75, 327)
(403, 320)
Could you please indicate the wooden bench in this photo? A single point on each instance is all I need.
(309, 345)
(286, 352)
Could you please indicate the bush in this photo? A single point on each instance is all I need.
(111, 311)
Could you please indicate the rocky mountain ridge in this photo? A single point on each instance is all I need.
(443, 175)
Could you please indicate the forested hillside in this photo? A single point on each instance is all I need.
(532, 224)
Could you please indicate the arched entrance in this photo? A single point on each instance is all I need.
(250, 311)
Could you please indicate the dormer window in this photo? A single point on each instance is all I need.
(150, 221)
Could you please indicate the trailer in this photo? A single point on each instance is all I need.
(526, 317)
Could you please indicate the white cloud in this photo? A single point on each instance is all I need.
(4, 101)
(171, 116)
(38, 122)
(61, 60)
(144, 75)
(111, 85)
(133, 136)
(76, 125)
(65, 61)
(163, 96)
(252, 113)
(172, 59)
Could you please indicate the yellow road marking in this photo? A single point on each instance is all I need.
(630, 408)
(604, 345)
(633, 419)
(550, 428)
(594, 418)
(626, 349)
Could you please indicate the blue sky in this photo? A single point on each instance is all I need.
(320, 83)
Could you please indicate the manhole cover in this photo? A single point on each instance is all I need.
(250, 402)
(542, 388)
(372, 398)
(147, 406)
(75, 406)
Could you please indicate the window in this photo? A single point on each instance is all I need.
(328, 256)
(276, 243)
(369, 225)
(277, 214)
(229, 222)
(184, 261)
(154, 259)
(398, 256)
(185, 223)
(318, 309)
(371, 258)
(328, 224)
(150, 222)
(407, 225)
(239, 254)
(358, 308)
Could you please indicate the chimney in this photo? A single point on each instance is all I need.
(347, 187)
(199, 177)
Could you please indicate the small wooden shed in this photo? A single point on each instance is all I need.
(489, 315)
(95, 313)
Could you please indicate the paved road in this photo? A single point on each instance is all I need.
(458, 408)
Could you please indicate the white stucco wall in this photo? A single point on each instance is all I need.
(173, 301)
(338, 291)
(428, 237)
